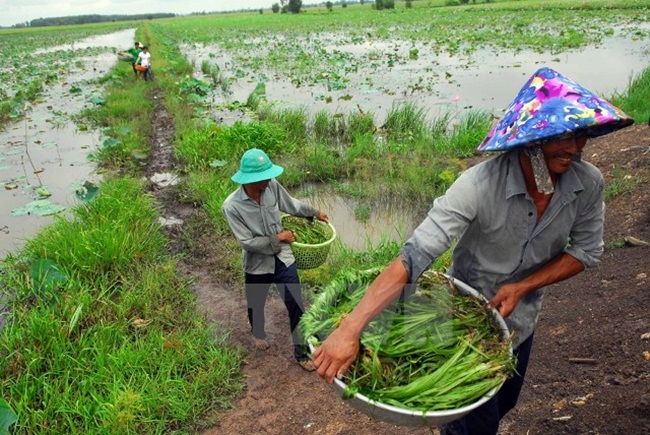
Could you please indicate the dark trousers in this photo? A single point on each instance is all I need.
(484, 420)
(148, 74)
(287, 282)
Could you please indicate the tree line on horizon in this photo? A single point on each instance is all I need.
(87, 19)
(283, 6)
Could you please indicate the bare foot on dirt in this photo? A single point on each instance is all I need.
(260, 343)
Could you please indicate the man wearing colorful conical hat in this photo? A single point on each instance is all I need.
(548, 108)
(530, 217)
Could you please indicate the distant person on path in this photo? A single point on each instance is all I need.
(523, 220)
(143, 64)
(253, 213)
(134, 52)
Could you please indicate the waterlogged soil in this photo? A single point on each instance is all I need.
(373, 76)
(590, 367)
(44, 156)
(359, 74)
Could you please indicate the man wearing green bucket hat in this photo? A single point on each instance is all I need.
(530, 217)
(253, 212)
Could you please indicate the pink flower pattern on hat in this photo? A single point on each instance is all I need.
(550, 106)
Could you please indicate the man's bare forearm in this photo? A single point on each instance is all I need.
(384, 290)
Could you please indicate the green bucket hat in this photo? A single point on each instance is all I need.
(256, 166)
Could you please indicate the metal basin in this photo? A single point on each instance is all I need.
(406, 417)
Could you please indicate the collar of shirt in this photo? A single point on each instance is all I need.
(242, 195)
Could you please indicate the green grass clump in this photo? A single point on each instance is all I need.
(102, 335)
(197, 147)
(636, 100)
(324, 124)
(293, 121)
(465, 135)
(360, 124)
(201, 147)
(108, 234)
(268, 136)
(405, 122)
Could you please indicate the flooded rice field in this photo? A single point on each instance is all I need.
(375, 76)
(44, 156)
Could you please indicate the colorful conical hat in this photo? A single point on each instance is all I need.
(548, 107)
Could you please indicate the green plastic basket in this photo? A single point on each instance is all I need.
(312, 256)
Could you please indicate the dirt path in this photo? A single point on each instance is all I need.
(599, 316)
(280, 397)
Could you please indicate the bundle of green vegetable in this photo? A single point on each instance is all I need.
(307, 231)
(435, 350)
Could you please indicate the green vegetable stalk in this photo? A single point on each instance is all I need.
(307, 231)
(435, 350)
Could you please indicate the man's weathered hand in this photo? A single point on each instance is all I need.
(336, 354)
(287, 236)
(507, 298)
(322, 216)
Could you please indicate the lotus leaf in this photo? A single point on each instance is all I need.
(45, 276)
(86, 192)
(7, 416)
(40, 207)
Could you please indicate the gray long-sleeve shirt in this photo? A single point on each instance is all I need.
(256, 226)
(494, 219)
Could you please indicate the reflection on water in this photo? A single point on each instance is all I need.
(486, 79)
(46, 150)
(117, 40)
(386, 220)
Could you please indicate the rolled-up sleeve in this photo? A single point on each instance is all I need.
(586, 237)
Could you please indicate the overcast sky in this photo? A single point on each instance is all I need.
(17, 11)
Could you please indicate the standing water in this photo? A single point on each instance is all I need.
(44, 156)
(439, 82)
(485, 79)
(361, 228)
